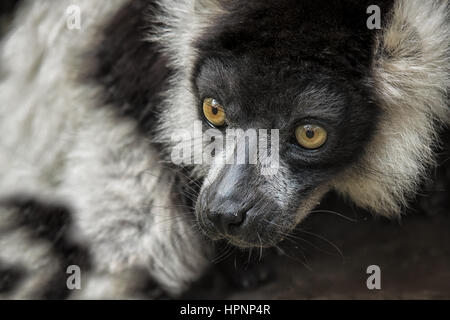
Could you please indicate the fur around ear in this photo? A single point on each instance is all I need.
(175, 29)
(208, 7)
(411, 73)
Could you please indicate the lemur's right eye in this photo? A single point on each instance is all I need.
(214, 112)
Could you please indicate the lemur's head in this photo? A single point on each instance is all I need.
(344, 117)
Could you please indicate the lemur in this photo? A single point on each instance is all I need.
(87, 117)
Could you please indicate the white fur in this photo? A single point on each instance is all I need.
(124, 202)
(57, 142)
(412, 83)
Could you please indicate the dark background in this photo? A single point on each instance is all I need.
(413, 254)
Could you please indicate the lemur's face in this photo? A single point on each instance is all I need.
(259, 72)
(322, 127)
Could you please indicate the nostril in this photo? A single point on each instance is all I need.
(224, 220)
(236, 218)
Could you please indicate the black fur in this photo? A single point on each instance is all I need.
(49, 222)
(10, 278)
(134, 74)
(131, 70)
(8, 7)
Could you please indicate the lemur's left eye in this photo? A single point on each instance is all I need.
(214, 112)
(311, 136)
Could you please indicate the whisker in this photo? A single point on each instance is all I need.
(335, 213)
(326, 240)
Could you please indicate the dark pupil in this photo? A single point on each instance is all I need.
(215, 111)
(310, 134)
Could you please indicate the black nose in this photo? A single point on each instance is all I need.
(226, 202)
(225, 220)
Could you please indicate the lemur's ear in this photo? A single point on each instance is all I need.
(412, 58)
(411, 73)
(175, 30)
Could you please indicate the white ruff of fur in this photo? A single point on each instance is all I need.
(412, 83)
(179, 27)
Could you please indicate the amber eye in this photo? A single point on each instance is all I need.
(311, 136)
(213, 112)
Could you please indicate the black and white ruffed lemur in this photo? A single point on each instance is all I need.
(87, 117)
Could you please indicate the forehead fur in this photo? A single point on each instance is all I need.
(287, 31)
